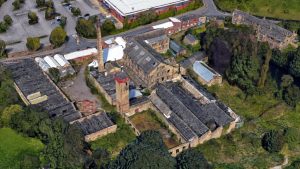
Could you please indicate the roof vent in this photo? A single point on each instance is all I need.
(148, 59)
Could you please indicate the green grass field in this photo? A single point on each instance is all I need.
(283, 9)
(13, 146)
(243, 146)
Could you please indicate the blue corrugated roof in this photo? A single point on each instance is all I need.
(203, 71)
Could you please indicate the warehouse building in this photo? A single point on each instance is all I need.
(130, 9)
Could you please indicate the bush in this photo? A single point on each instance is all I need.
(3, 27)
(2, 51)
(49, 14)
(76, 11)
(58, 36)
(40, 3)
(7, 19)
(33, 43)
(16, 4)
(273, 141)
(192, 159)
(32, 18)
(85, 28)
(63, 21)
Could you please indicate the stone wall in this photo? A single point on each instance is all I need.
(101, 90)
(101, 133)
(139, 108)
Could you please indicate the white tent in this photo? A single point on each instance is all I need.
(51, 62)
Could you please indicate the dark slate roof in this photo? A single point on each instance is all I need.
(200, 88)
(156, 39)
(142, 55)
(138, 100)
(175, 46)
(94, 123)
(190, 37)
(265, 27)
(30, 79)
(188, 17)
(181, 111)
(205, 113)
(186, 63)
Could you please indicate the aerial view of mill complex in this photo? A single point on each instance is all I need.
(149, 84)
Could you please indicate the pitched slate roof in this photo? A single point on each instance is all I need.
(30, 79)
(142, 56)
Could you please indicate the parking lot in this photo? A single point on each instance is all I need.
(17, 34)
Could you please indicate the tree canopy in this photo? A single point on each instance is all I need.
(192, 159)
(273, 141)
(85, 28)
(147, 151)
(58, 36)
(33, 43)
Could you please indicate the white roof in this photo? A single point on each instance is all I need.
(51, 62)
(110, 54)
(82, 53)
(129, 7)
(61, 60)
(113, 53)
(109, 41)
(203, 71)
(174, 19)
(120, 41)
(163, 25)
(42, 63)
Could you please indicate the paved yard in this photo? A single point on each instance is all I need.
(77, 90)
(17, 34)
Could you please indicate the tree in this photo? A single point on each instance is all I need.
(40, 3)
(147, 151)
(16, 4)
(291, 95)
(265, 69)
(8, 112)
(273, 141)
(2, 49)
(33, 43)
(85, 28)
(76, 11)
(7, 19)
(49, 4)
(192, 159)
(107, 27)
(63, 21)
(295, 165)
(30, 162)
(55, 75)
(3, 27)
(295, 65)
(58, 36)
(286, 81)
(32, 18)
(49, 13)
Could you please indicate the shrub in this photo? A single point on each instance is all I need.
(7, 19)
(58, 36)
(32, 18)
(33, 43)
(273, 141)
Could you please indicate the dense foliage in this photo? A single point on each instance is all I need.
(58, 36)
(2, 49)
(192, 159)
(273, 141)
(6, 23)
(33, 43)
(32, 18)
(137, 155)
(85, 28)
(76, 11)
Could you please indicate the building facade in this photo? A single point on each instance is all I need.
(266, 31)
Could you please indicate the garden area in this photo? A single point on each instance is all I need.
(147, 120)
(282, 9)
(262, 113)
(15, 148)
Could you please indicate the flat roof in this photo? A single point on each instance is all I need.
(129, 7)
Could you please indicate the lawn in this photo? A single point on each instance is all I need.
(243, 146)
(283, 9)
(13, 147)
(147, 120)
(115, 142)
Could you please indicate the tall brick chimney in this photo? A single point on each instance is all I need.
(100, 51)
(122, 92)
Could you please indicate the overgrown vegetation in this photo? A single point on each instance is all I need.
(283, 9)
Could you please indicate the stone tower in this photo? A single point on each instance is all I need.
(100, 51)
(122, 92)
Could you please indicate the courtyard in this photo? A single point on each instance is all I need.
(147, 120)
